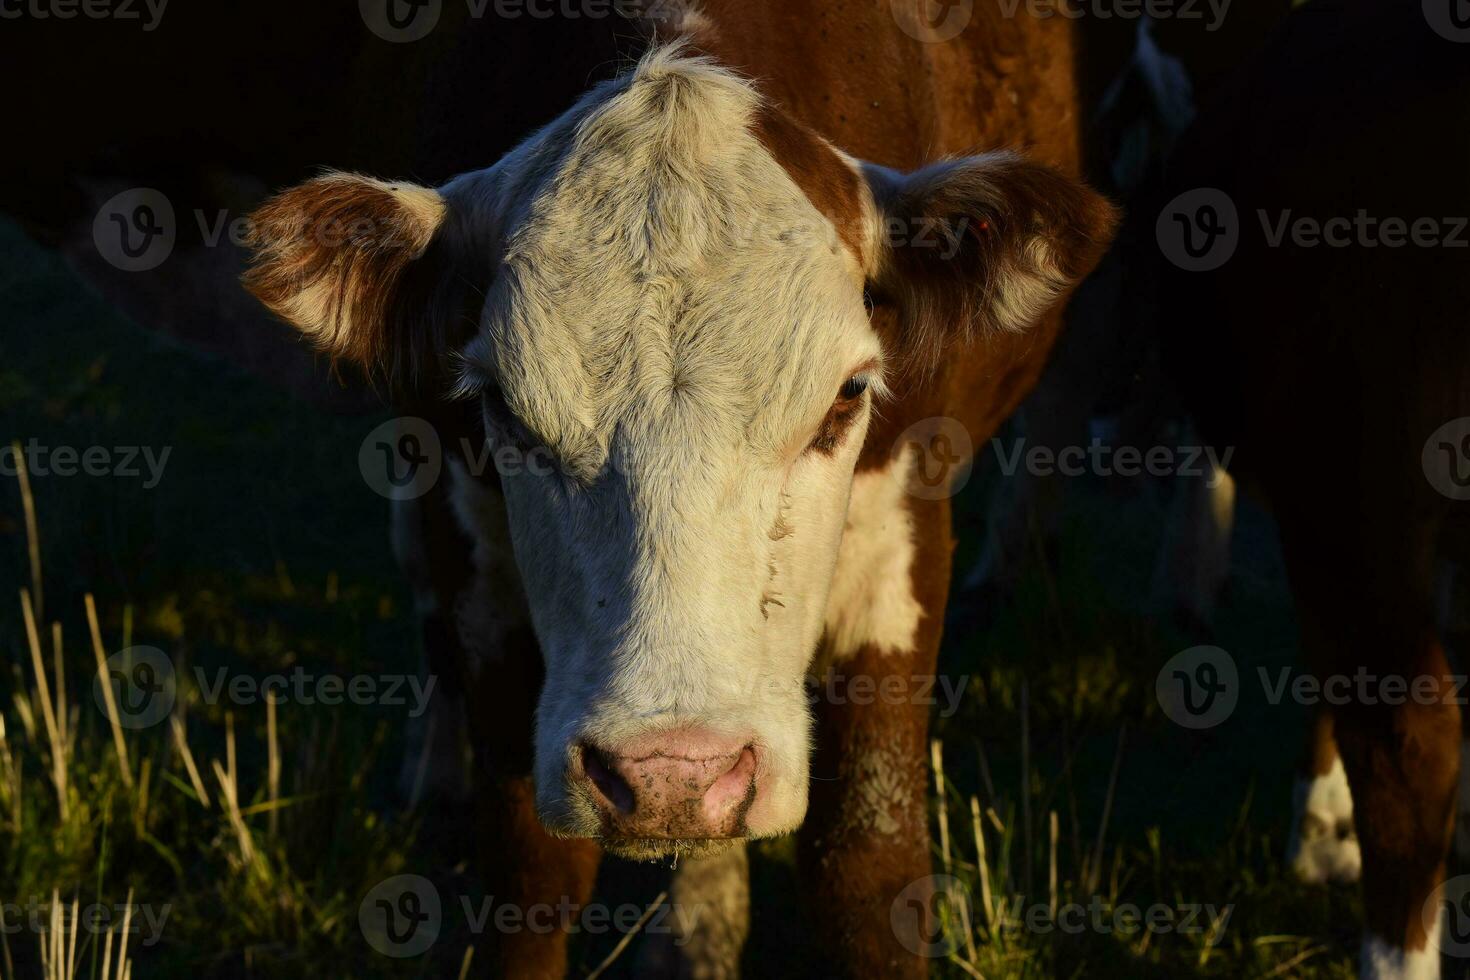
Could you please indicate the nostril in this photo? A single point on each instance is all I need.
(612, 786)
(734, 786)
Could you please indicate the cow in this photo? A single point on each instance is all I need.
(695, 321)
(1337, 362)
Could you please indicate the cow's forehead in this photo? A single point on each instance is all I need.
(662, 265)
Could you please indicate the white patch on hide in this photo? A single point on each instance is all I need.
(1324, 847)
(872, 599)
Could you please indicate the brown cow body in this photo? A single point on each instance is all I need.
(1330, 367)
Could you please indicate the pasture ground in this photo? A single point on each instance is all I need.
(262, 550)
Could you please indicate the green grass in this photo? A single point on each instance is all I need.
(262, 550)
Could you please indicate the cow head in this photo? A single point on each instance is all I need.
(667, 296)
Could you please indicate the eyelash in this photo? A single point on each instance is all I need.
(840, 416)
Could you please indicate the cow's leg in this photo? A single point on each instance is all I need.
(1365, 603)
(525, 868)
(705, 935)
(481, 646)
(865, 842)
(1323, 844)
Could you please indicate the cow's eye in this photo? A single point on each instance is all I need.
(854, 388)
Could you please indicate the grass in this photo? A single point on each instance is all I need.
(259, 829)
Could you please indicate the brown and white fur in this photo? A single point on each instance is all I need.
(709, 325)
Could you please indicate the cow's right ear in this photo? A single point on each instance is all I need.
(361, 268)
(980, 244)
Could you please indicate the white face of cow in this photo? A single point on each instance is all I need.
(678, 339)
(685, 335)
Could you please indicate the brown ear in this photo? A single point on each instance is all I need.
(358, 266)
(981, 243)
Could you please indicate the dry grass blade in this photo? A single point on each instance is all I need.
(1285, 968)
(124, 968)
(464, 964)
(71, 953)
(107, 955)
(628, 937)
(232, 809)
(230, 755)
(181, 742)
(273, 766)
(987, 903)
(936, 759)
(48, 711)
(109, 701)
(1051, 877)
(1102, 826)
(63, 721)
(140, 802)
(5, 952)
(33, 533)
(1026, 787)
(11, 786)
(966, 967)
(985, 771)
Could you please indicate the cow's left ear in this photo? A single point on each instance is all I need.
(980, 243)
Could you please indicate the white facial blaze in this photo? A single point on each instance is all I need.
(667, 322)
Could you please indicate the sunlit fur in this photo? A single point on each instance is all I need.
(673, 319)
(642, 293)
